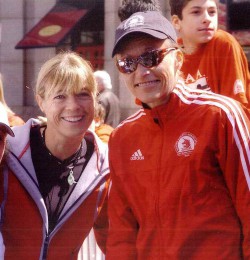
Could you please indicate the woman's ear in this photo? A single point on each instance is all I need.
(176, 22)
(39, 101)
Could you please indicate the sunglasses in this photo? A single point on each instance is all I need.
(148, 59)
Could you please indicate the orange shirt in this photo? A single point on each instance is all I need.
(221, 66)
(104, 131)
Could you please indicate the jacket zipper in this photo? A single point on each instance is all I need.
(45, 247)
(158, 190)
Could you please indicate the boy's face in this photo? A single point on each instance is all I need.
(199, 22)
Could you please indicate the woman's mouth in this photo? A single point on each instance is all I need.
(147, 83)
(73, 119)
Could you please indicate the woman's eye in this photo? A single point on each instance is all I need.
(59, 97)
(83, 95)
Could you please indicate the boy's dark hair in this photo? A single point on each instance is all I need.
(177, 6)
(128, 7)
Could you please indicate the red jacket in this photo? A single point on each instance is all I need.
(180, 181)
(25, 218)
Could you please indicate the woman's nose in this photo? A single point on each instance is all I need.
(142, 70)
(72, 102)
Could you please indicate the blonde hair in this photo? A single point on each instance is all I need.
(66, 72)
(2, 99)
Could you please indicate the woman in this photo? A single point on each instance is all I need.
(58, 170)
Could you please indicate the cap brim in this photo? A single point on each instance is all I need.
(150, 32)
(8, 129)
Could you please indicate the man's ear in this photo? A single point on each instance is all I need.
(176, 22)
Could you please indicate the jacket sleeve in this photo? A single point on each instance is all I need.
(232, 69)
(123, 226)
(235, 164)
(2, 248)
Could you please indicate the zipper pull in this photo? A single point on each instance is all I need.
(45, 248)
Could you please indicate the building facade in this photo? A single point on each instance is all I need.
(90, 31)
(20, 61)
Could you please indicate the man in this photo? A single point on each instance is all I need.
(180, 165)
(107, 98)
(4, 130)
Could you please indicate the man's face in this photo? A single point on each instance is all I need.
(3, 135)
(199, 22)
(151, 86)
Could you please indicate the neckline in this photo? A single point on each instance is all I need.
(71, 159)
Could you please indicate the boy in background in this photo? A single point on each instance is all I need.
(214, 60)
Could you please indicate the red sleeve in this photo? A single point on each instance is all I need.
(123, 225)
(231, 68)
(235, 164)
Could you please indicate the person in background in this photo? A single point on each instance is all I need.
(107, 98)
(12, 117)
(214, 60)
(4, 131)
(57, 170)
(101, 129)
(180, 165)
(128, 7)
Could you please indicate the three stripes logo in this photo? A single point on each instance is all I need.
(137, 156)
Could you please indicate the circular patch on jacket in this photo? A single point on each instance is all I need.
(185, 144)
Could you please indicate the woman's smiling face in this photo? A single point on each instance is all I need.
(68, 114)
(151, 86)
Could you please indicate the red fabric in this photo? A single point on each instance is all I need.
(23, 226)
(179, 184)
(64, 20)
(220, 63)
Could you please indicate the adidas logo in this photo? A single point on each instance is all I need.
(137, 155)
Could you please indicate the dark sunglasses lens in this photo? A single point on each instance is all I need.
(126, 65)
(149, 59)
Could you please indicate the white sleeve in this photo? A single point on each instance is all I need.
(2, 247)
